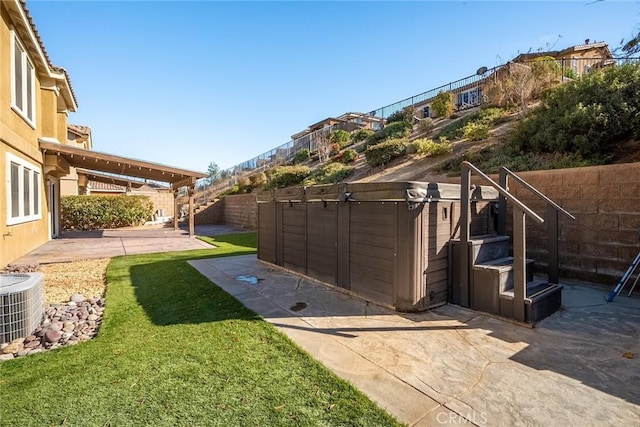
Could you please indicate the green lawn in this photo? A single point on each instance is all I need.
(175, 349)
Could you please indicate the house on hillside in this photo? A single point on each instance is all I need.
(349, 122)
(574, 60)
(38, 147)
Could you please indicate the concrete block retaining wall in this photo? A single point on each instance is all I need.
(603, 240)
(239, 210)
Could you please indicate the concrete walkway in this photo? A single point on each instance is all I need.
(455, 366)
(79, 245)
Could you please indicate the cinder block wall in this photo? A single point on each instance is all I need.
(212, 214)
(241, 210)
(160, 200)
(603, 240)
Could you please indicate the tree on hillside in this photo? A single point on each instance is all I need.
(516, 84)
(442, 105)
(213, 173)
(322, 143)
(632, 47)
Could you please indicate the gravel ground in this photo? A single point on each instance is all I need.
(63, 280)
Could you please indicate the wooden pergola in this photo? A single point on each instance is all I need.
(104, 162)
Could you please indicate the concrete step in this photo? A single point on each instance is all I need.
(488, 248)
(542, 300)
(500, 270)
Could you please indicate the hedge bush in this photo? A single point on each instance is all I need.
(284, 176)
(427, 147)
(329, 174)
(100, 212)
(382, 153)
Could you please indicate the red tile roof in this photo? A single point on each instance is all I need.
(79, 129)
(103, 186)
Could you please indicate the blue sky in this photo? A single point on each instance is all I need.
(188, 83)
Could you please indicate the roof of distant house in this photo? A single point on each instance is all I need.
(105, 186)
(560, 53)
(79, 129)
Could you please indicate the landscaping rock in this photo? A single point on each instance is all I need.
(14, 347)
(64, 324)
(52, 336)
(77, 298)
(32, 344)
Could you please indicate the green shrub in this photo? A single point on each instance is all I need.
(346, 156)
(236, 189)
(362, 134)
(425, 125)
(427, 147)
(301, 156)
(258, 180)
(475, 131)
(490, 159)
(442, 105)
(328, 174)
(404, 115)
(98, 212)
(588, 116)
(340, 137)
(284, 176)
(488, 117)
(391, 131)
(382, 153)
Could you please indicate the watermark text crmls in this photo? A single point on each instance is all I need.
(452, 418)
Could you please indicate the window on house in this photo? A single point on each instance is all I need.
(23, 88)
(24, 200)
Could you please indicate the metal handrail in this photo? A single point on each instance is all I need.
(538, 193)
(505, 193)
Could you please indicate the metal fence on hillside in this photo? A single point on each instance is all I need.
(468, 92)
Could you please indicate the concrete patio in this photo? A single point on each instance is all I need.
(455, 366)
(446, 366)
(79, 245)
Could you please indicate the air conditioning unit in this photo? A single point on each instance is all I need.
(21, 304)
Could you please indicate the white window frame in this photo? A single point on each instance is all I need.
(27, 116)
(35, 192)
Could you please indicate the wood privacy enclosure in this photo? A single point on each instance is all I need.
(385, 242)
